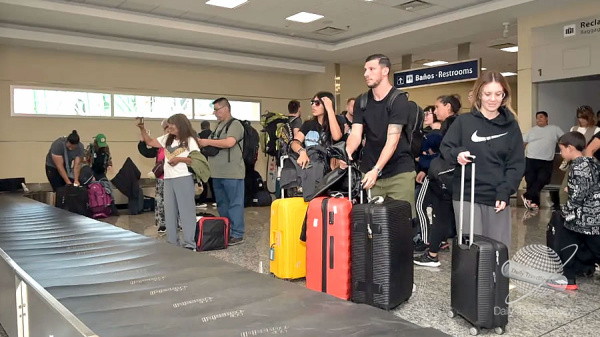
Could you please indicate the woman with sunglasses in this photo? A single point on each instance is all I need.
(491, 134)
(324, 129)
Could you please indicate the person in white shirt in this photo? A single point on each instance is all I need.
(540, 149)
(179, 189)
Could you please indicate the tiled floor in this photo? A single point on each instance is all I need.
(558, 314)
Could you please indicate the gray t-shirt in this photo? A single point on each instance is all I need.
(541, 142)
(58, 148)
(229, 164)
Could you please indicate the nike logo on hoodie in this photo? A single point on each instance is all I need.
(478, 139)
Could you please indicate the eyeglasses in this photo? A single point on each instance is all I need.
(315, 102)
(217, 109)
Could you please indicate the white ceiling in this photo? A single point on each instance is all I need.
(256, 34)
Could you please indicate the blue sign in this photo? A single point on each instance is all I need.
(447, 73)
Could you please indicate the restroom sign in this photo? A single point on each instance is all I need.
(447, 73)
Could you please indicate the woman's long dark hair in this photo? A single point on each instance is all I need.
(185, 130)
(325, 126)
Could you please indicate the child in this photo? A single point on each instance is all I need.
(582, 210)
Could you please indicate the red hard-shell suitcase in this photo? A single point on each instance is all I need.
(328, 233)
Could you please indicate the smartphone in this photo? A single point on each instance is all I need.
(140, 120)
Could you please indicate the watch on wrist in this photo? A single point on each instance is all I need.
(378, 170)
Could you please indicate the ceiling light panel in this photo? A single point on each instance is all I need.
(304, 17)
(434, 63)
(508, 74)
(514, 49)
(226, 3)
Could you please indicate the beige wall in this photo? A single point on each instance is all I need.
(527, 94)
(27, 139)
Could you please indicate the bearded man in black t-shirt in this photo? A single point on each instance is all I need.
(387, 162)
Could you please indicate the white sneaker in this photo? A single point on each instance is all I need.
(202, 206)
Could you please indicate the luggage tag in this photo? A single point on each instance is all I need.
(272, 253)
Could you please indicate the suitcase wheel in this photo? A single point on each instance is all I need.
(451, 313)
(473, 331)
(500, 330)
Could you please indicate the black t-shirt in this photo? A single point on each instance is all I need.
(314, 135)
(204, 134)
(295, 122)
(375, 120)
(597, 154)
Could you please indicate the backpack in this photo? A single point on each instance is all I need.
(99, 200)
(250, 142)
(414, 128)
(276, 133)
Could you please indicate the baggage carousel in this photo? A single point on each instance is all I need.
(114, 282)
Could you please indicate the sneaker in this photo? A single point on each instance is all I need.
(526, 202)
(427, 260)
(203, 205)
(562, 284)
(421, 247)
(235, 241)
(445, 246)
(162, 230)
(534, 207)
(192, 249)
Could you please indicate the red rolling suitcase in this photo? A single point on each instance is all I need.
(328, 233)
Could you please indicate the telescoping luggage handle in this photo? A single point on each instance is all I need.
(462, 202)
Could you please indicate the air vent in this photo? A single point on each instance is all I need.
(503, 45)
(414, 6)
(329, 31)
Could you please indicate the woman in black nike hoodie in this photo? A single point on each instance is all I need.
(491, 133)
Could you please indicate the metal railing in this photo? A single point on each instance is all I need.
(27, 309)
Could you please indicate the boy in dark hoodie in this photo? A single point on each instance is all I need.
(491, 134)
(582, 209)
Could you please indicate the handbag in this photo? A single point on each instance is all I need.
(159, 169)
(210, 151)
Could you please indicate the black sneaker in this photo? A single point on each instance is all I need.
(235, 241)
(162, 230)
(420, 248)
(427, 260)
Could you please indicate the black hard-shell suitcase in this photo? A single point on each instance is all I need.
(479, 291)
(382, 253)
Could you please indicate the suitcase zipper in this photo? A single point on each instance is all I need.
(369, 257)
(324, 246)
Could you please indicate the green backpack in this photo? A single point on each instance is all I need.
(276, 133)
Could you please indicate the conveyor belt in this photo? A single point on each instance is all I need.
(120, 283)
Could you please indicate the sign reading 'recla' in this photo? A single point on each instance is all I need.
(447, 73)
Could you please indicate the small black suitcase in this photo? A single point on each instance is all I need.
(382, 252)
(479, 291)
(555, 224)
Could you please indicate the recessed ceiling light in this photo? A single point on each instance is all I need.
(514, 49)
(226, 3)
(484, 69)
(508, 73)
(434, 63)
(304, 17)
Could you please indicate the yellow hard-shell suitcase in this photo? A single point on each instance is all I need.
(287, 254)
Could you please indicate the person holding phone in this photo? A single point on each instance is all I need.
(491, 133)
(179, 187)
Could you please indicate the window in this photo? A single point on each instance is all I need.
(151, 106)
(239, 109)
(28, 101)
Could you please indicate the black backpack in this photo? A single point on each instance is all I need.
(414, 128)
(276, 133)
(250, 142)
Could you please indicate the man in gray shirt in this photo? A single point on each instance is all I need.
(63, 161)
(540, 144)
(227, 168)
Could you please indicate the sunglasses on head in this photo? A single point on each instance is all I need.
(315, 102)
